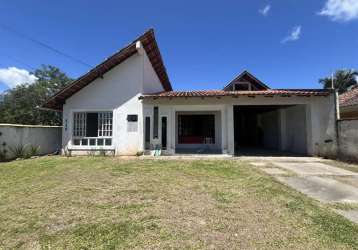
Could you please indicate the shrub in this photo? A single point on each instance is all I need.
(3, 150)
(3, 155)
(32, 150)
(18, 151)
(24, 151)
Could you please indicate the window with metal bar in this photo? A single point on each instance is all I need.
(92, 128)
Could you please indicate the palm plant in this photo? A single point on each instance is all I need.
(342, 80)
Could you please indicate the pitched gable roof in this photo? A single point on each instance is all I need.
(349, 98)
(151, 47)
(246, 76)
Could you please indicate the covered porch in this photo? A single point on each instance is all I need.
(185, 129)
(198, 132)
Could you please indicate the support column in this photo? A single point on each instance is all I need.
(282, 122)
(230, 129)
(173, 130)
(223, 126)
(309, 141)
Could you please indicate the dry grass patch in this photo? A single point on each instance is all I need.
(345, 165)
(96, 202)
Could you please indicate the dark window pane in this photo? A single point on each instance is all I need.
(132, 118)
(108, 142)
(147, 133)
(241, 86)
(92, 125)
(76, 142)
(100, 142)
(155, 122)
(164, 133)
(84, 142)
(92, 142)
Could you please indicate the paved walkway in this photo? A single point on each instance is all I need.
(315, 178)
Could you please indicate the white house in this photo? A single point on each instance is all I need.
(126, 104)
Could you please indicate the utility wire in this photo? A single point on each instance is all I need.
(44, 45)
(19, 61)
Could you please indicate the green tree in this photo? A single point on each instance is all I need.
(342, 79)
(19, 105)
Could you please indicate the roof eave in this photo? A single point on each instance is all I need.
(311, 93)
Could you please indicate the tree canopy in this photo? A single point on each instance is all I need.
(342, 79)
(19, 105)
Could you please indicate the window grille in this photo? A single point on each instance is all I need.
(79, 126)
(92, 128)
(104, 124)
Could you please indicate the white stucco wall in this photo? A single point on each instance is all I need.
(285, 129)
(151, 82)
(348, 139)
(294, 129)
(269, 123)
(47, 138)
(321, 115)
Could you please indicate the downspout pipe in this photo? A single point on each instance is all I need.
(337, 118)
(336, 102)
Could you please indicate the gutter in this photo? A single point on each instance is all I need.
(47, 109)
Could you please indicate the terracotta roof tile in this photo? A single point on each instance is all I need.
(349, 98)
(219, 93)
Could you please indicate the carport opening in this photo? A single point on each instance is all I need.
(270, 129)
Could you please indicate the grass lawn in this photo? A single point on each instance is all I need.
(107, 203)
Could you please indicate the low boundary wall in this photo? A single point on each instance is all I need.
(348, 139)
(46, 138)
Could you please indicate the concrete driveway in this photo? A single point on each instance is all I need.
(314, 177)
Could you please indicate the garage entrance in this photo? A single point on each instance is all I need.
(270, 129)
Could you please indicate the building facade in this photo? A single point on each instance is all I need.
(126, 105)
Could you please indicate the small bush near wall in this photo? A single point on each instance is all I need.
(18, 151)
(3, 151)
(24, 151)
